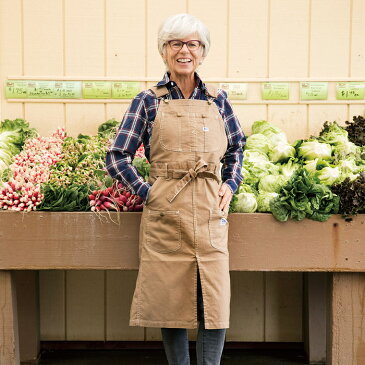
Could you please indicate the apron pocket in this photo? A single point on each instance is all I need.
(164, 230)
(218, 230)
(153, 186)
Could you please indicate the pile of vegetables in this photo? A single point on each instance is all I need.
(13, 134)
(310, 178)
(116, 198)
(31, 168)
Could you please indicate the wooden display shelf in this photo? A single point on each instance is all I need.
(257, 242)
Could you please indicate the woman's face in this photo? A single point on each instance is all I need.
(183, 62)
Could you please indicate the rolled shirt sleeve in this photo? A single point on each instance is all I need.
(129, 137)
(232, 159)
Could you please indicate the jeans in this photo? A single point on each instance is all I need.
(209, 342)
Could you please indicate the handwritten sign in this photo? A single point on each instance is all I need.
(67, 89)
(313, 90)
(42, 89)
(97, 89)
(235, 90)
(125, 89)
(275, 91)
(16, 89)
(350, 90)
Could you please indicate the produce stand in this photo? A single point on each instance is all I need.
(257, 242)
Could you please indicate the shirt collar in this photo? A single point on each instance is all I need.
(166, 82)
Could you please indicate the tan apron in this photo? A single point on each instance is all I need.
(182, 225)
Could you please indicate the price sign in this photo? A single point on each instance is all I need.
(275, 91)
(235, 90)
(313, 90)
(125, 89)
(40, 89)
(350, 90)
(96, 89)
(16, 89)
(67, 89)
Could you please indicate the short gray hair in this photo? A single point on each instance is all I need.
(181, 25)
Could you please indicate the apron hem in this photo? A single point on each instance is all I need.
(159, 324)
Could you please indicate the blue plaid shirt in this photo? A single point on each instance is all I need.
(136, 127)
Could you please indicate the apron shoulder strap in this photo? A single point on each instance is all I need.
(159, 90)
(212, 89)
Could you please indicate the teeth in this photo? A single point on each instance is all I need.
(184, 60)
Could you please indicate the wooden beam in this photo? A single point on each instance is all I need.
(346, 324)
(9, 340)
(257, 242)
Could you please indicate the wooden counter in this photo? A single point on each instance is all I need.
(257, 242)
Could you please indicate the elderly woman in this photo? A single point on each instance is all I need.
(193, 142)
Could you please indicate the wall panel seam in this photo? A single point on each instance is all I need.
(268, 39)
(309, 37)
(350, 37)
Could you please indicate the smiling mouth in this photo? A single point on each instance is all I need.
(183, 60)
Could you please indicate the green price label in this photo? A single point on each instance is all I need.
(96, 89)
(16, 89)
(350, 90)
(67, 89)
(313, 90)
(235, 90)
(32, 89)
(125, 89)
(275, 91)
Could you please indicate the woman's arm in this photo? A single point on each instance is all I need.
(232, 159)
(129, 137)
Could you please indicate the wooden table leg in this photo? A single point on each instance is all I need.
(9, 340)
(346, 319)
(314, 326)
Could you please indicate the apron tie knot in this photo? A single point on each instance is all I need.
(192, 174)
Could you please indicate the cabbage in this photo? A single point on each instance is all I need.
(264, 127)
(245, 203)
(344, 150)
(278, 138)
(289, 168)
(332, 133)
(272, 183)
(263, 201)
(348, 166)
(254, 156)
(311, 150)
(245, 188)
(328, 175)
(258, 142)
(281, 152)
(252, 172)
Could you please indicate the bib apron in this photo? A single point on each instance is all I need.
(182, 228)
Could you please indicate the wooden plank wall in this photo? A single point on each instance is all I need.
(271, 39)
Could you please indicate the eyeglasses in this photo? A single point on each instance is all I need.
(192, 45)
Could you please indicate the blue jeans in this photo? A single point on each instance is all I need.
(209, 342)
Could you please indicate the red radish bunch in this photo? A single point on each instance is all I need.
(31, 168)
(140, 152)
(32, 164)
(20, 197)
(117, 198)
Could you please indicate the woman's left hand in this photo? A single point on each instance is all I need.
(226, 194)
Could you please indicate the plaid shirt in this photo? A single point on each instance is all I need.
(136, 127)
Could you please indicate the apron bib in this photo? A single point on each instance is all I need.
(182, 228)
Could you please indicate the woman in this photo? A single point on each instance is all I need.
(188, 129)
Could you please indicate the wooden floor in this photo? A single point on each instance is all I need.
(157, 357)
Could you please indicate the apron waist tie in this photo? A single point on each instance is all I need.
(200, 166)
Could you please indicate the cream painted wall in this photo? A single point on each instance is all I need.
(253, 41)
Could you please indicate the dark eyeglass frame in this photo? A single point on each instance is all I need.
(182, 44)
